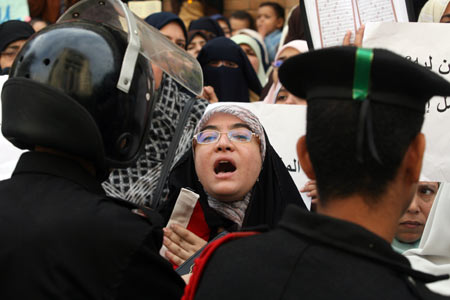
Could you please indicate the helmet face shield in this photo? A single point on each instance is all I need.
(62, 94)
(175, 62)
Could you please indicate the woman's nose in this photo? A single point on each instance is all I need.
(414, 206)
(224, 143)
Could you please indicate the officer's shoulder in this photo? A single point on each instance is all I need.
(141, 211)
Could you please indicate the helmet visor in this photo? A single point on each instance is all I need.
(173, 60)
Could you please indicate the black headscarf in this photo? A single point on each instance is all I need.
(230, 84)
(272, 192)
(219, 17)
(208, 24)
(204, 34)
(14, 30)
(161, 19)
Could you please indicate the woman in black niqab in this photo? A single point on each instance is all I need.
(230, 84)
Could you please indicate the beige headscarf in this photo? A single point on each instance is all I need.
(433, 10)
(254, 34)
(246, 39)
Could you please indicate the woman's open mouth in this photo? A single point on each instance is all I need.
(224, 166)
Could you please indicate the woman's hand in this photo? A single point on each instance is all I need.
(181, 243)
(209, 94)
(359, 36)
(311, 189)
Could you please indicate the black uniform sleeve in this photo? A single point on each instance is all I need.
(149, 276)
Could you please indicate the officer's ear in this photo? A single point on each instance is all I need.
(303, 157)
(412, 161)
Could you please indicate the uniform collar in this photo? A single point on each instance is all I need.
(49, 164)
(350, 238)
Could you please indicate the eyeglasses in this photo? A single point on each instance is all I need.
(241, 135)
(277, 63)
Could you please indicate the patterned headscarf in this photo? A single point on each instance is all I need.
(234, 211)
(264, 204)
(242, 113)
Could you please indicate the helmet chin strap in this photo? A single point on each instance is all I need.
(132, 51)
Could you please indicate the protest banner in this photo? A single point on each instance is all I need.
(284, 125)
(422, 43)
(14, 10)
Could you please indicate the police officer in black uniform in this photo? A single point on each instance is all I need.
(62, 237)
(364, 148)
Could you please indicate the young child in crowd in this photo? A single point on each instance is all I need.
(269, 22)
(241, 19)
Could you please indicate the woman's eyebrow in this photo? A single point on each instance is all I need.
(213, 127)
(427, 185)
(236, 125)
(240, 125)
(445, 16)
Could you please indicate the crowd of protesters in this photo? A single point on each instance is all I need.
(114, 192)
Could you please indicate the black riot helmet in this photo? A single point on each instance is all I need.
(62, 94)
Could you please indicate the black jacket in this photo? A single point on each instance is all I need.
(62, 238)
(311, 256)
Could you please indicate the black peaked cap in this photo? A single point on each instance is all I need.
(366, 75)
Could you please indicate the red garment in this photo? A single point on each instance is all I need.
(48, 10)
(197, 223)
(200, 263)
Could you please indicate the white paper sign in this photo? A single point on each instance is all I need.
(423, 43)
(329, 20)
(14, 10)
(284, 125)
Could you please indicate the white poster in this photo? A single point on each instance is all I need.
(425, 44)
